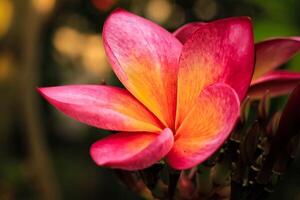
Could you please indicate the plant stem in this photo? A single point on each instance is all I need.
(173, 179)
(38, 153)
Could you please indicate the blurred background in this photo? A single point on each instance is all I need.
(44, 154)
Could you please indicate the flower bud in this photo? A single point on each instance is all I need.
(185, 186)
(264, 107)
(249, 144)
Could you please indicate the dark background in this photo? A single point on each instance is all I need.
(45, 155)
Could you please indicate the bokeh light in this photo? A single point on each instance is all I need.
(6, 67)
(6, 16)
(43, 6)
(158, 10)
(93, 55)
(84, 49)
(68, 41)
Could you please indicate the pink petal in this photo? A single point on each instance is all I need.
(272, 53)
(206, 126)
(187, 30)
(221, 51)
(102, 106)
(277, 83)
(132, 151)
(145, 58)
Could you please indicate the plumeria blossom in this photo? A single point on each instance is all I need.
(269, 55)
(181, 100)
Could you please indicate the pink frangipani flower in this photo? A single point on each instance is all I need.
(181, 100)
(269, 55)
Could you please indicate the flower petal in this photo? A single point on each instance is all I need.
(132, 151)
(272, 53)
(145, 58)
(102, 106)
(277, 83)
(206, 126)
(221, 51)
(187, 30)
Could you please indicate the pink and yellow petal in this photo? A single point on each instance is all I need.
(102, 106)
(272, 53)
(132, 151)
(276, 83)
(221, 51)
(206, 126)
(145, 58)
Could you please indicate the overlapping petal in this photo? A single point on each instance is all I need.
(102, 106)
(271, 53)
(132, 151)
(186, 31)
(206, 126)
(221, 51)
(277, 83)
(145, 58)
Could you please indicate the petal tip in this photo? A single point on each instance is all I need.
(50, 93)
(132, 151)
(44, 91)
